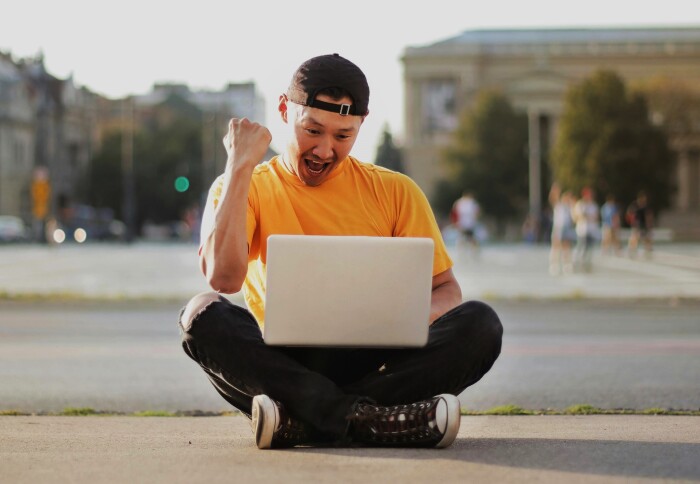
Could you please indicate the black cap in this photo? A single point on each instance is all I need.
(328, 71)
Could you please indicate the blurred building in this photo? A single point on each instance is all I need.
(534, 68)
(46, 123)
(16, 139)
(241, 99)
(216, 108)
(54, 127)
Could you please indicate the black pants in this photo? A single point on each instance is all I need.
(319, 385)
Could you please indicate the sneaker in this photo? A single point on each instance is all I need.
(429, 423)
(273, 428)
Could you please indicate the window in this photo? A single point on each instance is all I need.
(439, 106)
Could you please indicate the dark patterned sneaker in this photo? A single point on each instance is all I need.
(429, 423)
(273, 428)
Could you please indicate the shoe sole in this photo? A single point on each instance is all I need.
(264, 421)
(453, 419)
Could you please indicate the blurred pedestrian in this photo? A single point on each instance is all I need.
(466, 211)
(610, 226)
(641, 220)
(587, 220)
(192, 218)
(563, 232)
(529, 229)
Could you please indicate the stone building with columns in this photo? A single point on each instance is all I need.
(534, 68)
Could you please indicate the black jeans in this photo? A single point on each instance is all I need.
(319, 385)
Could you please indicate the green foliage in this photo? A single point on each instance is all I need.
(166, 146)
(444, 196)
(388, 154)
(78, 412)
(607, 141)
(154, 413)
(167, 153)
(12, 413)
(488, 157)
(656, 411)
(508, 410)
(582, 409)
(674, 105)
(102, 186)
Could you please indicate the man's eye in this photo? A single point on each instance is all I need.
(312, 131)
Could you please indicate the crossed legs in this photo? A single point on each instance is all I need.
(319, 386)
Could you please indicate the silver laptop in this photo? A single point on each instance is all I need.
(348, 291)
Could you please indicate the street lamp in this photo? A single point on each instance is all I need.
(128, 195)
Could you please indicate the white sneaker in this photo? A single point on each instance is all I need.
(272, 427)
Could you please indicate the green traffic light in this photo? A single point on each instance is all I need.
(182, 184)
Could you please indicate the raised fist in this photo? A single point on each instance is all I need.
(246, 141)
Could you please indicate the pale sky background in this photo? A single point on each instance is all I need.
(124, 47)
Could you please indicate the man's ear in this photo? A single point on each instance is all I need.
(363, 117)
(282, 107)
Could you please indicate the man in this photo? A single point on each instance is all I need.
(610, 225)
(303, 396)
(586, 217)
(641, 220)
(466, 212)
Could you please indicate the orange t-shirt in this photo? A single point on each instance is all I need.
(356, 199)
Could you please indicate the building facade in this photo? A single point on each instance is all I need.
(534, 69)
(16, 139)
(53, 127)
(46, 124)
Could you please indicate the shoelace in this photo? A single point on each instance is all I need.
(396, 424)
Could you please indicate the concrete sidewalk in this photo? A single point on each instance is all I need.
(500, 271)
(595, 449)
(601, 448)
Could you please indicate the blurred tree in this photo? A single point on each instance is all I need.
(167, 145)
(445, 193)
(101, 186)
(673, 105)
(488, 157)
(168, 152)
(388, 154)
(607, 141)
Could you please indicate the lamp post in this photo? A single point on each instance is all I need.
(128, 192)
(535, 157)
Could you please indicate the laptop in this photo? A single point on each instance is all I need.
(348, 291)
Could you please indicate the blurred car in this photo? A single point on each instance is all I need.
(13, 229)
(83, 223)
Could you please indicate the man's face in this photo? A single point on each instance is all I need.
(319, 140)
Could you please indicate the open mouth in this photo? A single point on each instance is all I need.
(315, 168)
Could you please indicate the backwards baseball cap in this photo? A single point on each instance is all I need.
(330, 71)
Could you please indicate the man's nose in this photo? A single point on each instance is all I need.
(324, 148)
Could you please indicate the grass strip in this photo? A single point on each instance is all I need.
(579, 409)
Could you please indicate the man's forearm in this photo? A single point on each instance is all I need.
(225, 251)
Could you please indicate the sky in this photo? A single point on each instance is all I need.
(124, 47)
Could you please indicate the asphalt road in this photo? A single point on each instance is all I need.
(127, 357)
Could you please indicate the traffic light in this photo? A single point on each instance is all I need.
(41, 193)
(182, 184)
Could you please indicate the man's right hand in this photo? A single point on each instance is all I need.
(246, 142)
(224, 257)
